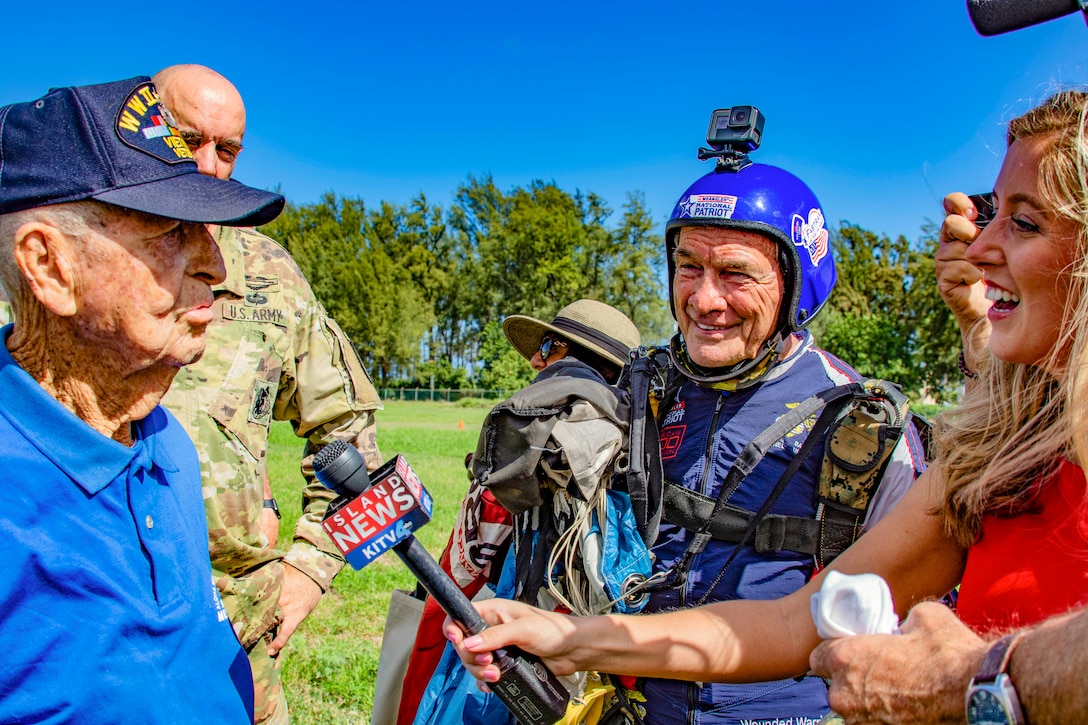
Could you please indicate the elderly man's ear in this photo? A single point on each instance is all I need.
(47, 260)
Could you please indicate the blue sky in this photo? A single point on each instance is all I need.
(880, 107)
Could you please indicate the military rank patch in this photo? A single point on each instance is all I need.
(145, 125)
(264, 396)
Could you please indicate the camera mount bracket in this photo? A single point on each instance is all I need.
(729, 159)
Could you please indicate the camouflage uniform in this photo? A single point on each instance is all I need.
(5, 309)
(272, 353)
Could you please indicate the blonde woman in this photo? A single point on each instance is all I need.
(1002, 510)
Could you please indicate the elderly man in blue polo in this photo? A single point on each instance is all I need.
(110, 613)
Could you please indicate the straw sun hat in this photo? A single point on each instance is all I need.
(597, 327)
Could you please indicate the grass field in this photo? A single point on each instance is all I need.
(332, 660)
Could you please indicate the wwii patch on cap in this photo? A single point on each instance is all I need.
(144, 124)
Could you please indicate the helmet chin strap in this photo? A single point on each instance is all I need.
(743, 374)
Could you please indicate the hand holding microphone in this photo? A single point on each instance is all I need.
(369, 518)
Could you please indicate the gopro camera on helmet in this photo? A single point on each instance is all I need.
(739, 127)
(733, 134)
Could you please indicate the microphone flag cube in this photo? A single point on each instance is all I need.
(365, 527)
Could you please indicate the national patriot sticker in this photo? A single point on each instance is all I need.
(708, 206)
(811, 234)
(144, 124)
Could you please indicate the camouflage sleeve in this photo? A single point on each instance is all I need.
(327, 396)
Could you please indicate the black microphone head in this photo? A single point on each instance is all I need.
(328, 454)
(993, 17)
(341, 468)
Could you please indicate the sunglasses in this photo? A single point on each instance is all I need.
(549, 343)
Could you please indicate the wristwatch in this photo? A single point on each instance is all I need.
(991, 697)
(270, 503)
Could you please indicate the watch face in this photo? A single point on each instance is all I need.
(986, 708)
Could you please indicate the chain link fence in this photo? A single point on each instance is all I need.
(449, 395)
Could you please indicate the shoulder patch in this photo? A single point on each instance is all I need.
(264, 394)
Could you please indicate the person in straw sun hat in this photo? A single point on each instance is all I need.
(538, 473)
(597, 334)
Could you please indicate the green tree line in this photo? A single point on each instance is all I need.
(422, 290)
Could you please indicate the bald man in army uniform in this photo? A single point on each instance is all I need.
(273, 354)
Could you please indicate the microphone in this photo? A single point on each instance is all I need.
(369, 518)
(993, 17)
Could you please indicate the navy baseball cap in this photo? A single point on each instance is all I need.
(115, 142)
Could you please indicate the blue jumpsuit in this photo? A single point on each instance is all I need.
(703, 431)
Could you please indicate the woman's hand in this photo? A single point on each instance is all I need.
(548, 635)
(958, 280)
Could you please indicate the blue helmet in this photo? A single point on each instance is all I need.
(775, 203)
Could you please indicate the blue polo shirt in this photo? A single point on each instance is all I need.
(108, 612)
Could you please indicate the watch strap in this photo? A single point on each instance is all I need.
(270, 503)
(997, 658)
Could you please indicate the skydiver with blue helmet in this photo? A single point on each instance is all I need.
(750, 266)
(744, 513)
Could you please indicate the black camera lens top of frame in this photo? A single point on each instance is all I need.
(984, 205)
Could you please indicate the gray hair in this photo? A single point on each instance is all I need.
(75, 219)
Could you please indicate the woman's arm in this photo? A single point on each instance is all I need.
(741, 640)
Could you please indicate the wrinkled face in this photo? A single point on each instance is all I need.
(146, 294)
(212, 121)
(727, 292)
(1025, 255)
